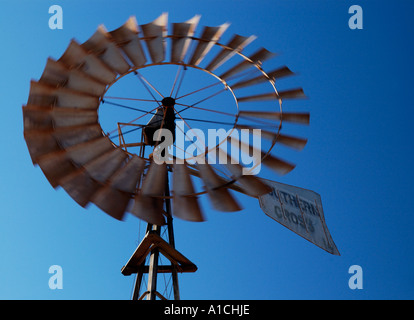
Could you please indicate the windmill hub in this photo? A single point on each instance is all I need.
(168, 102)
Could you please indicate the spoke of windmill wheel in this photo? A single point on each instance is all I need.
(181, 104)
(189, 127)
(209, 97)
(205, 147)
(217, 83)
(181, 81)
(210, 121)
(126, 107)
(225, 113)
(198, 138)
(179, 73)
(190, 156)
(260, 121)
(181, 149)
(187, 119)
(198, 90)
(145, 82)
(132, 99)
(205, 109)
(133, 120)
(126, 132)
(175, 80)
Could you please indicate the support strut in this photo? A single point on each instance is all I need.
(153, 245)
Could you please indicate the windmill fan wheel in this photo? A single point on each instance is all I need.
(64, 114)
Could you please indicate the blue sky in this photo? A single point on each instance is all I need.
(358, 158)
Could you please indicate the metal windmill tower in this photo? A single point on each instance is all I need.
(126, 170)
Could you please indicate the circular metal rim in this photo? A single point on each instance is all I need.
(101, 98)
(256, 65)
(228, 87)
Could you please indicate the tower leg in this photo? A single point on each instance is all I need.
(174, 274)
(171, 241)
(153, 267)
(138, 281)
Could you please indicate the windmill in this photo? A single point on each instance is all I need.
(131, 168)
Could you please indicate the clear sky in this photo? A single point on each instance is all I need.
(358, 158)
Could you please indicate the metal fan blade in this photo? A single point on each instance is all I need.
(288, 94)
(236, 44)
(208, 39)
(185, 207)
(275, 74)
(45, 95)
(280, 73)
(149, 209)
(57, 74)
(127, 39)
(75, 56)
(103, 46)
(88, 151)
(155, 179)
(181, 38)
(300, 118)
(127, 177)
(55, 166)
(70, 136)
(36, 117)
(253, 186)
(104, 166)
(72, 117)
(229, 183)
(147, 206)
(289, 141)
(40, 142)
(257, 58)
(292, 142)
(279, 166)
(155, 33)
(59, 164)
(111, 201)
(249, 183)
(220, 197)
(79, 186)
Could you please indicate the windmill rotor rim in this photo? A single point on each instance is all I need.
(73, 154)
